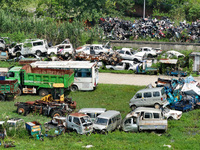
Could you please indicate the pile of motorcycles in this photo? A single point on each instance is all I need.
(118, 29)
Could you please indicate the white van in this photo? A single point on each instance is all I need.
(149, 97)
(93, 113)
(107, 121)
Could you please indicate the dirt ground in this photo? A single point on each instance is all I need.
(132, 79)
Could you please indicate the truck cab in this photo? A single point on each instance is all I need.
(80, 123)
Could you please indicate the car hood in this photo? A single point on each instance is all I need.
(99, 127)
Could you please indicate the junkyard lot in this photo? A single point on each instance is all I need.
(182, 134)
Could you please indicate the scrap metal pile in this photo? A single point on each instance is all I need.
(118, 29)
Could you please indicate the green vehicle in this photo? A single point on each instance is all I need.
(40, 80)
(8, 88)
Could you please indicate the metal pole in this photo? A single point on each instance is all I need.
(144, 10)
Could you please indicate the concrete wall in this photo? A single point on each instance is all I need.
(162, 45)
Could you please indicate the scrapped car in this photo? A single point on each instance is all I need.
(149, 97)
(15, 51)
(15, 123)
(172, 53)
(123, 65)
(107, 121)
(142, 119)
(62, 49)
(150, 52)
(3, 132)
(171, 114)
(93, 113)
(28, 57)
(3, 55)
(126, 54)
(139, 56)
(2, 44)
(80, 123)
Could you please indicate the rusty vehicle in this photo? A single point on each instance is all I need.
(143, 118)
(8, 88)
(46, 106)
(33, 127)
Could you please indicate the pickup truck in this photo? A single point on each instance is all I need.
(80, 123)
(144, 119)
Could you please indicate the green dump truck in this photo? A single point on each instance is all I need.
(40, 80)
(8, 88)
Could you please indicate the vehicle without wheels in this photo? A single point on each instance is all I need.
(149, 97)
(93, 113)
(15, 123)
(107, 121)
(40, 80)
(143, 119)
(33, 127)
(3, 132)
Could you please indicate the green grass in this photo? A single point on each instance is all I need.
(181, 134)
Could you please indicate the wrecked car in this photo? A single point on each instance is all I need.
(33, 127)
(107, 121)
(171, 114)
(93, 113)
(3, 132)
(80, 123)
(143, 119)
(62, 49)
(15, 123)
(149, 97)
(149, 51)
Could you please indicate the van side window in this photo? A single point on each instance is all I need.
(91, 115)
(148, 115)
(109, 121)
(98, 114)
(138, 95)
(76, 121)
(70, 118)
(156, 115)
(147, 94)
(156, 94)
(37, 43)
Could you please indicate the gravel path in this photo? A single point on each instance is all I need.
(132, 79)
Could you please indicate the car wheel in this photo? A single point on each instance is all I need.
(38, 53)
(157, 106)
(56, 113)
(133, 107)
(52, 53)
(18, 54)
(150, 55)
(2, 98)
(43, 92)
(74, 88)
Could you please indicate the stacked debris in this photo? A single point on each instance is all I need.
(118, 29)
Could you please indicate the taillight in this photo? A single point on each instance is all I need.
(161, 99)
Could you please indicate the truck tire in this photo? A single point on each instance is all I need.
(2, 98)
(19, 92)
(133, 107)
(22, 110)
(74, 88)
(43, 92)
(38, 53)
(157, 106)
(56, 113)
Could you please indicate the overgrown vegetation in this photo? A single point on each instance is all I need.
(181, 134)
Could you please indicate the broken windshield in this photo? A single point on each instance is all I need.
(102, 121)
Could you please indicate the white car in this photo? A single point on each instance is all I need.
(126, 54)
(123, 65)
(173, 53)
(63, 49)
(94, 48)
(171, 114)
(139, 56)
(150, 52)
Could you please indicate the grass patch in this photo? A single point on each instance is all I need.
(181, 134)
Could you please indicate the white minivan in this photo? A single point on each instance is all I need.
(108, 121)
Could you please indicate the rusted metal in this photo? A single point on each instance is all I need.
(77, 114)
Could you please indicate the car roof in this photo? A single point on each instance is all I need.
(139, 109)
(92, 110)
(151, 89)
(108, 114)
(77, 115)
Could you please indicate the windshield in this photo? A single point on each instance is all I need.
(85, 120)
(102, 121)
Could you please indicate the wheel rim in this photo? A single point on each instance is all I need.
(157, 106)
(56, 114)
(21, 110)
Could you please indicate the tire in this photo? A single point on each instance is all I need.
(18, 54)
(38, 53)
(19, 92)
(150, 55)
(157, 106)
(133, 107)
(2, 98)
(43, 92)
(56, 113)
(74, 88)
(22, 110)
(52, 53)
(104, 132)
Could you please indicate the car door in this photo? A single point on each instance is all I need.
(76, 124)
(147, 101)
(130, 124)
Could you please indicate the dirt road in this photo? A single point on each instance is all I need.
(132, 79)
